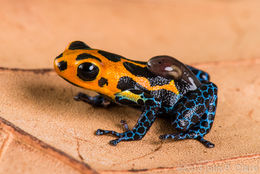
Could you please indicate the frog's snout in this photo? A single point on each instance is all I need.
(62, 65)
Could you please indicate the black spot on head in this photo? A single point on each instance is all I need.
(62, 65)
(59, 56)
(78, 45)
(86, 56)
(103, 81)
(110, 56)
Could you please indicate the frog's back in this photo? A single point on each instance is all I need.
(114, 73)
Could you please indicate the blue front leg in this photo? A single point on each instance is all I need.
(96, 101)
(147, 118)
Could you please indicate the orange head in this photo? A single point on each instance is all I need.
(91, 69)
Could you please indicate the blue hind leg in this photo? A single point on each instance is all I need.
(201, 75)
(195, 114)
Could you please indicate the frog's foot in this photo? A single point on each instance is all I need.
(177, 136)
(97, 101)
(191, 135)
(206, 143)
(125, 136)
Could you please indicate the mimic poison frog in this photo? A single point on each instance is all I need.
(163, 86)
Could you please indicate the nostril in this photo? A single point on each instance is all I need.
(62, 65)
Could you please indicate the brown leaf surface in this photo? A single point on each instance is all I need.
(42, 104)
(221, 37)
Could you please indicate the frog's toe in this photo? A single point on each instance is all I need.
(77, 97)
(177, 136)
(104, 132)
(114, 142)
(167, 136)
(206, 143)
(100, 132)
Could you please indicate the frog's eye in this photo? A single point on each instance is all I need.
(87, 71)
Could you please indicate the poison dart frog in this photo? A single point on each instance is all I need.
(161, 87)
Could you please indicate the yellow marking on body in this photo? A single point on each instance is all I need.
(130, 95)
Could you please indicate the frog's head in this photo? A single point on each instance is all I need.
(84, 67)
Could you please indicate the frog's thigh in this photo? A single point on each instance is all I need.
(188, 111)
(196, 109)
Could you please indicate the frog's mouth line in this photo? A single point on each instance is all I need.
(71, 82)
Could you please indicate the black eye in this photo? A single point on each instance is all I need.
(87, 71)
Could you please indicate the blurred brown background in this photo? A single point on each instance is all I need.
(33, 32)
(222, 37)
